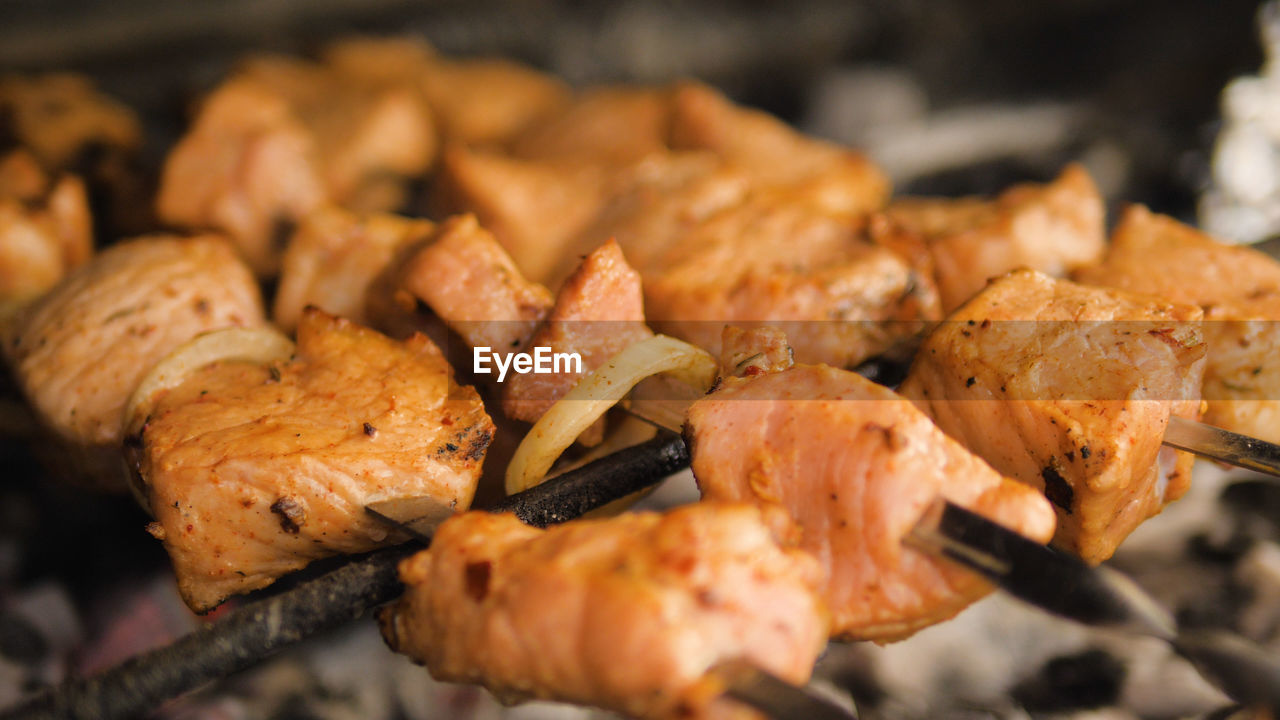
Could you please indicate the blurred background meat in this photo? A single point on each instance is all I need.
(949, 97)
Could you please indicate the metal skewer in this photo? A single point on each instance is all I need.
(1194, 437)
(1066, 586)
(250, 634)
(744, 681)
(1223, 445)
(1095, 596)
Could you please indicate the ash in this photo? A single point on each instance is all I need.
(1242, 203)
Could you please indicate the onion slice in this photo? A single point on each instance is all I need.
(253, 345)
(594, 394)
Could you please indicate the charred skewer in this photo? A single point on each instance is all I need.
(251, 633)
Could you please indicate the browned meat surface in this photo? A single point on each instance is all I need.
(1239, 290)
(467, 279)
(367, 134)
(59, 116)
(598, 313)
(79, 351)
(335, 259)
(476, 102)
(832, 178)
(246, 167)
(855, 465)
(604, 125)
(253, 471)
(1069, 389)
(628, 614)
(45, 228)
(1054, 228)
(69, 126)
(534, 208)
(711, 251)
(618, 126)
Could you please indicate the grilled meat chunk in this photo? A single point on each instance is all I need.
(628, 613)
(45, 228)
(1069, 389)
(713, 251)
(603, 125)
(335, 259)
(1054, 228)
(474, 102)
(1239, 290)
(855, 465)
(59, 116)
(79, 352)
(617, 126)
(534, 208)
(467, 279)
(253, 471)
(367, 134)
(247, 167)
(832, 178)
(68, 126)
(598, 313)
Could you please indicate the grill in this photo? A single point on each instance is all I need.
(952, 97)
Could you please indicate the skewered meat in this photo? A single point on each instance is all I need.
(712, 251)
(467, 279)
(598, 312)
(534, 208)
(59, 116)
(45, 228)
(79, 352)
(621, 126)
(830, 177)
(604, 125)
(474, 102)
(1239, 290)
(628, 613)
(247, 167)
(1069, 389)
(253, 471)
(367, 135)
(855, 465)
(1054, 228)
(70, 127)
(334, 260)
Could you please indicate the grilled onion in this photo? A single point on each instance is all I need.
(594, 394)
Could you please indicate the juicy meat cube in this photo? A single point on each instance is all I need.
(335, 259)
(1239, 290)
(246, 166)
(1054, 228)
(1069, 389)
(534, 208)
(45, 228)
(79, 352)
(470, 282)
(605, 125)
(712, 251)
(364, 131)
(254, 471)
(59, 116)
(627, 614)
(598, 313)
(855, 465)
(489, 101)
(476, 102)
(832, 178)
